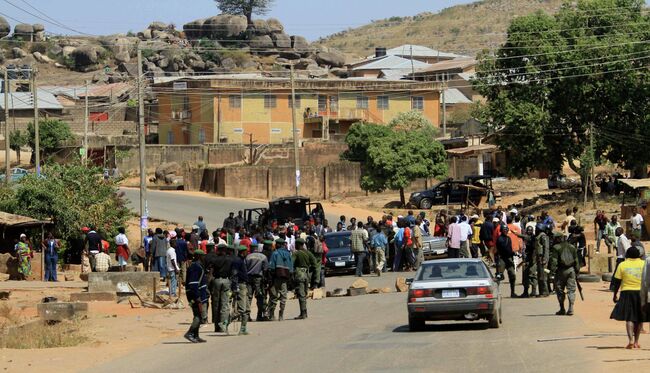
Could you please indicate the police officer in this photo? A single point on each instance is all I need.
(221, 267)
(258, 266)
(305, 266)
(542, 246)
(240, 287)
(196, 292)
(505, 254)
(281, 268)
(564, 266)
(530, 260)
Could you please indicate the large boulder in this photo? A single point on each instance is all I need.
(274, 25)
(194, 30)
(121, 47)
(5, 27)
(260, 27)
(38, 27)
(23, 30)
(86, 58)
(145, 35)
(261, 43)
(18, 53)
(42, 58)
(300, 44)
(159, 26)
(228, 64)
(332, 58)
(282, 41)
(304, 63)
(168, 168)
(290, 55)
(224, 26)
(68, 50)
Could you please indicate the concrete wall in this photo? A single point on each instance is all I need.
(143, 282)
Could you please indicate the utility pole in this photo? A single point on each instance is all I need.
(444, 107)
(141, 137)
(7, 146)
(250, 135)
(85, 155)
(593, 162)
(295, 131)
(37, 138)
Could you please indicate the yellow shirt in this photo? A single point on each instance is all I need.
(629, 272)
(476, 230)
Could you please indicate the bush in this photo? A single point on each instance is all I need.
(38, 47)
(241, 57)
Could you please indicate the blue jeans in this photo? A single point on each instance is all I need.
(361, 256)
(161, 262)
(51, 262)
(173, 283)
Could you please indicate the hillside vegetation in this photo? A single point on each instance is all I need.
(464, 29)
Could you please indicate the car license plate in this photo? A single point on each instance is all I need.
(451, 293)
(339, 264)
(440, 252)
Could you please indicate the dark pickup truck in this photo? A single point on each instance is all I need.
(297, 209)
(452, 192)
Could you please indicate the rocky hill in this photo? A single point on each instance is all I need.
(218, 44)
(464, 29)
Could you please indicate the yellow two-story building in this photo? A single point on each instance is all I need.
(234, 109)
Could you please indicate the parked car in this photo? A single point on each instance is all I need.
(297, 209)
(471, 190)
(434, 247)
(339, 257)
(453, 289)
(16, 174)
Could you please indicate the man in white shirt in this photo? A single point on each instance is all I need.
(172, 270)
(637, 224)
(567, 221)
(622, 244)
(465, 233)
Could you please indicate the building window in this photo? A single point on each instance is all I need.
(297, 101)
(270, 102)
(322, 103)
(382, 103)
(170, 137)
(235, 101)
(202, 136)
(417, 103)
(362, 102)
(334, 103)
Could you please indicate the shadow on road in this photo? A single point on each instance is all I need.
(177, 343)
(445, 327)
(543, 315)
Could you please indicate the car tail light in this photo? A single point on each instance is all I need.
(480, 290)
(419, 293)
(483, 306)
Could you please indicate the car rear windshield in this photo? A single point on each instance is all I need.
(452, 271)
(336, 242)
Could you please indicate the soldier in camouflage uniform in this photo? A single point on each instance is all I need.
(564, 266)
(306, 266)
(530, 260)
(542, 245)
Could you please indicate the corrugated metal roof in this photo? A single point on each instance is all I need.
(458, 63)
(7, 219)
(454, 96)
(98, 90)
(467, 76)
(25, 101)
(392, 62)
(419, 51)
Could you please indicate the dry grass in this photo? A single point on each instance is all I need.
(37, 334)
(463, 29)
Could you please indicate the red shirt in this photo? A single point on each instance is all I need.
(203, 245)
(325, 251)
(246, 242)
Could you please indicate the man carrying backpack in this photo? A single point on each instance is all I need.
(565, 267)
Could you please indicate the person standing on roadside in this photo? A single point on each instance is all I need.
(637, 224)
(380, 244)
(418, 244)
(201, 224)
(565, 267)
(304, 264)
(453, 239)
(221, 266)
(281, 269)
(622, 245)
(505, 259)
(239, 288)
(628, 308)
(51, 248)
(358, 241)
(158, 248)
(196, 293)
(610, 232)
(122, 253)
(146, 243)
(181, 255)
(600, 224)
(257, 265)
(465, 235)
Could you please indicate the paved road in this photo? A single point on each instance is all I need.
(369, 333)
(182, 208)
(179, 207)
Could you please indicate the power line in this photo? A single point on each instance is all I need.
(45, 19)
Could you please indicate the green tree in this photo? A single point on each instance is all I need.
(72, 196)
(18, 139)
(392, 159)
(245, 7)
(52, 132)
(558, 76)
(413, 121)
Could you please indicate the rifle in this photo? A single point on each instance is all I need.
(580, 289)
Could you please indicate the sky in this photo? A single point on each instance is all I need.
(309, 18)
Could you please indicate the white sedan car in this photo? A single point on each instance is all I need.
(453, 289)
